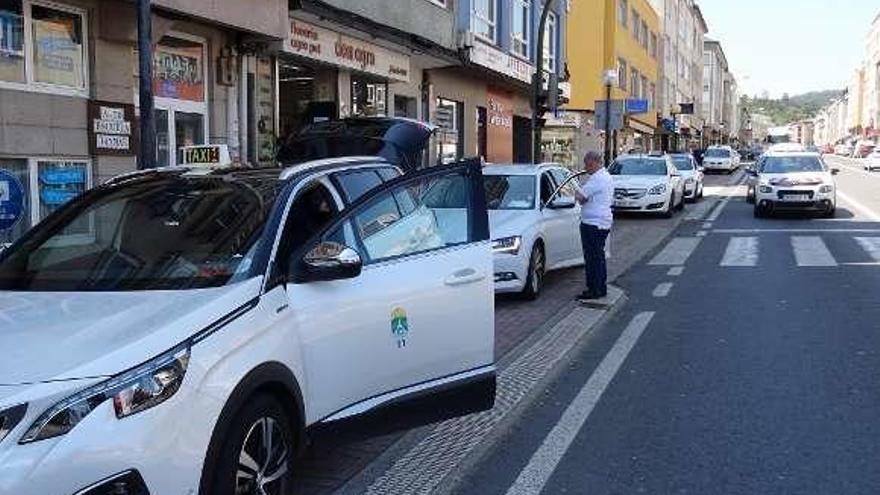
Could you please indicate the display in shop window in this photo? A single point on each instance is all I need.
(266, 139)
(58, 47)
(60, 181)
(178, 71)
(11, 43)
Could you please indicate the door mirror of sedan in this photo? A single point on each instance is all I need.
(562, 203)
(835, 171)
(325, 262)
(751, 172)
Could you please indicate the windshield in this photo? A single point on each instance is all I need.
(717, 153)
(682, 162)
(791, 164)
(638, 166)
(153, 234)
(510, 192)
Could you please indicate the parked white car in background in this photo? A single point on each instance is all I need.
(691, 174)
(872, 161)
(721, 158)
(645, 183)
(794, 182)
(533, 231)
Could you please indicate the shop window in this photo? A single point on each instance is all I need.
(520, 32)
(15, 214)
(450, 135)
(180, 96)
(405, 106)
(368, 98)
(484, 19)
(48, 53)
(550, 44)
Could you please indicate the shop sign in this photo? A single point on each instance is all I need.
(12, 200)
(178, 72)
(322, 44)
(499, 128)
(111, 128)
(504, 63)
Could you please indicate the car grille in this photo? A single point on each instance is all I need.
(782, 194)
(622, 193)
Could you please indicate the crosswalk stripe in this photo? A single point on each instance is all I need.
(871, 245)
(811, 251)
(741, 251)
(676, 252)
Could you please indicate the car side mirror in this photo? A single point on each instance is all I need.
(701, 169)
(835, 171)
(752, 172)
(325, 262)
(562, 203)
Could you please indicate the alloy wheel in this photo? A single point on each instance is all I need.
(263, 461)
(537, 271)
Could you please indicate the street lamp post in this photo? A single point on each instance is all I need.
(537, 79)
(147, 148)
(609, 78)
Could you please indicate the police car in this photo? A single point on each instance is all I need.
(183, 330)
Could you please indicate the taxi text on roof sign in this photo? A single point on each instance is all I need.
(212, 155)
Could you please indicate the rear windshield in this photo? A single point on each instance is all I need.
(718, 153)
(638, 166)
(683, 162)
(167, 234)
(791, 164)
(510, 192)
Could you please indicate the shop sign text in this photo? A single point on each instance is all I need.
(110, 128)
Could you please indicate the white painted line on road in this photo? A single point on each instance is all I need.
(676, 252)
(811, 251)
(741, 251)
(675, 271)
(871, 245)
(717, 212)
(702, 233)
(864, 210)
(534, 476)
(796, 231)
(663, 290)
(707, 225)
(699, 211)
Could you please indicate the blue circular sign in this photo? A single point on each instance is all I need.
(11, 200)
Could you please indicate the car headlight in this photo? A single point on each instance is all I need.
(9, 419)
(826, 189)
(765, 189)
(658, 189)
(132, 392)
(509, 245)
(689, 181)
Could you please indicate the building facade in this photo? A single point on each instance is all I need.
(730, 118)
(69, 86)
(621, 35)
(715, 69)
(680, 84)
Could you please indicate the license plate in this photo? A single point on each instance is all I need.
(624, 202)
(796, 197)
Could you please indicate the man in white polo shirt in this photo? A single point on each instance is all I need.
(596, 196)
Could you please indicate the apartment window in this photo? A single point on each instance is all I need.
(643, 35)
(643, 88)
(623, 12)
(653, 46)
(43, 47)
(634, 83)
(636, 24)
(550, 44)
(621, 73)
(521, 27)
(652, 96)
(485, 18)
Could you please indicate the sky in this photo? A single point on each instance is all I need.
(791, 46)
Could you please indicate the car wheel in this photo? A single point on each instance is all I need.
(535, 280)
(670, 208)
(701, 191)
(830, 212)
(759, 212)
(257, 453)
(681, 203)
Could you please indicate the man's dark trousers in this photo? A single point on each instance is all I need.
(593, 242)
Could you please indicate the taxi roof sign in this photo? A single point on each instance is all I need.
(207, 155)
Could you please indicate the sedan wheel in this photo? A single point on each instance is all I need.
(670, 208)
(535, 281)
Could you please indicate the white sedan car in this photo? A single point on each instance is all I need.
(533, 230)
(794, 182)
(872, 161)
(691, 173)
(648, 184)
(721, 158)
(181, 331)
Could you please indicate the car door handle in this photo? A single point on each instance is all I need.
(464, 277)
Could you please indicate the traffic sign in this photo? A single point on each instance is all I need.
(617, 113)
(636, 106)
(12, 200)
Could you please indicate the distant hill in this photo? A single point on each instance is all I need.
(790, 108)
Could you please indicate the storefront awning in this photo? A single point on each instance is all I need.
(641, 127)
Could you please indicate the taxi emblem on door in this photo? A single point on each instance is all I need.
(399, 326)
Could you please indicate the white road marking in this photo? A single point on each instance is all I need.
(707, 225)
(871, 245)
(796, 231)
(717, 211)
(676, 252)
(675, 271)
(537, 472)
(702, 233)
(699, 211)
(663, 290)
(741, 251)
(864, 210)
(811, 251)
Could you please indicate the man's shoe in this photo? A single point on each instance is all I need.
(586, 297)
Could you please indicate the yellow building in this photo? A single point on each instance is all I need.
(621, 35)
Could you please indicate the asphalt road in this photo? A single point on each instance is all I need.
(745, 362)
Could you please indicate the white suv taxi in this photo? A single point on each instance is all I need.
(794, 181)
(182, 330)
